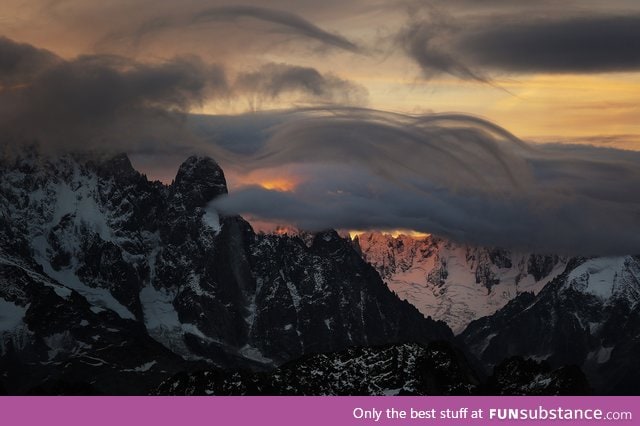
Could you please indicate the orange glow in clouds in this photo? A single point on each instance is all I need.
(278, 184)
(285, 180)
(275, 179)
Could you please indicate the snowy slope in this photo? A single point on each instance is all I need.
(607, 278)
(454, 282)
(588, 316)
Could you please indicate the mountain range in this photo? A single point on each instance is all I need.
(98, 263)
(557, 309)
(114, 284)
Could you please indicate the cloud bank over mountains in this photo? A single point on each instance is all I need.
(452, 175)
(135, 86)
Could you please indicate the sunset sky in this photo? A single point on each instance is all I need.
(244, 81)
(543, 70)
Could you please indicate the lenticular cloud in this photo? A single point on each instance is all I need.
(450, 174)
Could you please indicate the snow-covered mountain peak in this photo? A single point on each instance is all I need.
(607, 278)
(455, 282)
(392, 254)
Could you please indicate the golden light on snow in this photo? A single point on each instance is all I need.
(395, 233)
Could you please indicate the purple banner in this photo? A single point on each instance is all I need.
(317, 411)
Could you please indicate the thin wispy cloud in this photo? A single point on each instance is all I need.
(272, 80)
(276, 22)
(284, 21)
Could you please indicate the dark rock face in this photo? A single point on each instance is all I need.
(518, 376)
(63, 346)
(588, 316)
(541, 265)
(502, 259)
(408, 369)
(111, 279)
(302, 293)
(199, 180)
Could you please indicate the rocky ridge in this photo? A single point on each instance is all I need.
(125, 265)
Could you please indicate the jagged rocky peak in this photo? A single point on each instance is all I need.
(329, 240)
(117, 166)
(199, 180)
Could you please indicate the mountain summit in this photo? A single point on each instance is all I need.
(111, 276)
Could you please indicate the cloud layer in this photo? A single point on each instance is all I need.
(267, 20)
(271, 81)
(97, 101)
(109, 102)
(472, 48)
(285, 21)
(571, 45)
(452, 175)
(20, 63)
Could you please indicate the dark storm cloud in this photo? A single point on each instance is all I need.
(21, 62)
(111, 102)
(573, 45)
(97, 100)
(452, 175)
(474, 48)
(273, 80)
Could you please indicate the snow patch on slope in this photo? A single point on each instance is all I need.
(98, 297)
(212, 219)
(71, 206)
(598, 276)
(142, 368)
(161, 319)
(11, 316)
